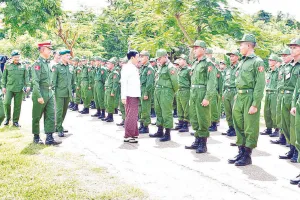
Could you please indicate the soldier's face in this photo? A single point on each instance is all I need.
(182, 62)
(233, 59)
(16, 59)
(295, 50)
(245, 47)
(222, 66)
(66, 58)
(144, 59)
(199, 51)
(110, 66)
(153, 63)
(162, 60)
(46, 52)
(272, 63)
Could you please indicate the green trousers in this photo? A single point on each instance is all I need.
(117, 98)
(278, 110)
(78, 96)
(86, 94)
(228, 105)
(164, 107)
(246, 125)
(214, 108)
(145, 107)
(109, 101)
(18, 97)
(288, 120)
(2, 115)
(122, 108)
(183, 107)
(61, 111)
(297, 128)
(46, 109)
(270, 110)
(199, 115)
(99, 95)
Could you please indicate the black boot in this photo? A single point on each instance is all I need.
(294, 159)
(231, 132)
(144, 130)
(71, 105)
(37, 139)
(116, 111)
(121, 124)
(141, 126)
(275, 133)
(81, 101)
(102, 116)
(185, 127)
(289, 154)
(245, 159)
(50, 140)
(97, 114)
(6, 122)
(75, 108)
(175, 113)
(228, 131)
(159, 133)
(202, 148)
(213, 127)
(195, 144)
(167, 136)
(110, 118)
(85, 111)
(153, 113)
(237, 157)
(16, 124)
(268, 131)
(281, 140)
(179, 125)
(61, 134)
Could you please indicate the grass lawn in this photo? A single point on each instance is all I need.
(30, 171)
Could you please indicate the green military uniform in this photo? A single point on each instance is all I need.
(229, 93)
(72, 99)
(118, 91)
(77, 79)
(296, 104)
(165, 89)
(121, 105)
(86, 87)
(152, 100)
(91, 74)
(15, 78)
(63, 83)
(2, 114)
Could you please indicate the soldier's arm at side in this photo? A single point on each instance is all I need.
(54, 77)
(116, 80)
(211, 82)
(27, 82)
(36, 76)
(296, 93)
(4, 78)
(260, 82)
(174, 78)
(150, 82)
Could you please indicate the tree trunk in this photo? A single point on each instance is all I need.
(186, 35)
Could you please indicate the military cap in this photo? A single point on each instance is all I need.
(152, 60)
(83, 58)
(294, 42)
(15, 53)
(97, 58)
(184, 57)
(124, 60)
(274, 57)
(76, 59)
(145, 53)
(199, 43)
(113, 60)
(209, 51)
(248, 38)
(176, 62)
(104, 60)
(222, 62)
(286, 51)
(65, 51)
(161, 53)
(45, 44)
(235, 52)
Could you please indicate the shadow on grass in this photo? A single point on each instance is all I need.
(33, 149)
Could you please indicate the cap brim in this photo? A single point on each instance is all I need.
(293, 45)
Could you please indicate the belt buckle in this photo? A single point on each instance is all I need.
(49, 88)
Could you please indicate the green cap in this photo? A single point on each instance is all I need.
(124, 60)
(104, 60)
(286, 51)
(15, 53)
(199, 43)
(76, 59)
(274, 57)
(209, 51)
(184, 57)
(235, 52)
(294, 42)
(145, 53)
(83, 58)
(113, 60)
(161, 53)
(97, 58)
(65, 51)
(176, 62)
(152, 60)
(248, 38)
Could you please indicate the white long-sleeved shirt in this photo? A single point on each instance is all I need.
(130, 81)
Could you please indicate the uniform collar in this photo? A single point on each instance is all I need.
(44, 60)
(250, 56)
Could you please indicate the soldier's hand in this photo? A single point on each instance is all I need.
(112, 95)
(77, 88)
(90, 88)
(124, 101)
(27, 89)
(41, 100)
(223, 98)
(145, 97)
(4, 90)
(205, 103)
(293, 111)
(252, 110)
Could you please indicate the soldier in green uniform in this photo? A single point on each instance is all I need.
(183, 94)
(15, 78)
(287, 58)
(165, 89)
(42, 96)
(203, 82)
(117, 87)
(290, 76)
(77, 82)
(2, 114)
(250, 84)
(154, 66)
(123, 61)
(29, 71)
(147, 78)
(63, 83)
(271, 97)
(221, 108)
(295, 111)
(230, 91)
(86, 86)
(72, 71)
(93, 66)
(111, 87)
